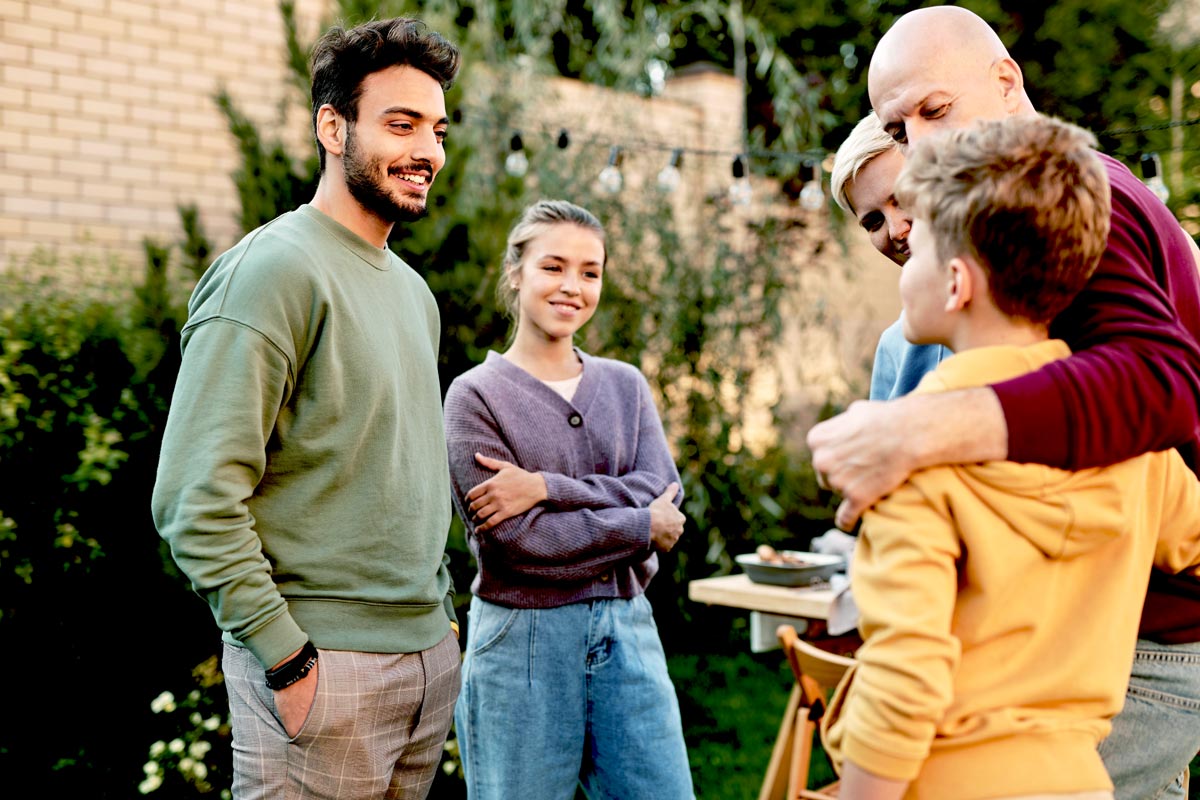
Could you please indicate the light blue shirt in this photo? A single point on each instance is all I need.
(900, 365)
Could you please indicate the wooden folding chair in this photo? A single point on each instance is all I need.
(817, 671)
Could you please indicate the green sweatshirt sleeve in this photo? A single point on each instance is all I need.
(231, 385)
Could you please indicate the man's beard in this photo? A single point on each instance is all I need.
(365, 178)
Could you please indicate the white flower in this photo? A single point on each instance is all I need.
(150, 767)
(194, 695)
(212, 723)
(196, 719)
(200, 771)
(158, 748)
(199, 748)
(226, 794)
(186, 765)
(448, 767)
(176, 746)
(151, 783)
(164, 702)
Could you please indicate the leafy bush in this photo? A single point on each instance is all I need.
(98, 612)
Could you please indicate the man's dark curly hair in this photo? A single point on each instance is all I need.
(343, 58)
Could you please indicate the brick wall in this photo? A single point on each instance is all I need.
(109, 121)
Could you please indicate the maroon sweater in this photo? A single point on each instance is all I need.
(1133, 384)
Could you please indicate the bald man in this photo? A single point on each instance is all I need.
(1132, 386)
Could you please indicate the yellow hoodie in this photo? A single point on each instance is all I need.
(1000, 606)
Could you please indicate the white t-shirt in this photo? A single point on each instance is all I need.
(565, 388)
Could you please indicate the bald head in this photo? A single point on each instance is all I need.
(940, 68)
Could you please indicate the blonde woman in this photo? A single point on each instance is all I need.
(563, 477)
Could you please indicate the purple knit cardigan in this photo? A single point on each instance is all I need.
(604, 458)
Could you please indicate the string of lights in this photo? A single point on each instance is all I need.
(812, 196)
(669, 178)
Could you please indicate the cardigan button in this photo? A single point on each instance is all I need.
(575, 420)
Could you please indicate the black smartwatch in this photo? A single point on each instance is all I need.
(294, 669)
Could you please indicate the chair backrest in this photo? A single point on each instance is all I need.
(816, 670)
(822, 666)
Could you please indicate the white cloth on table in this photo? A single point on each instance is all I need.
(843, 612)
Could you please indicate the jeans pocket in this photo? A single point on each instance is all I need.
(492, 625)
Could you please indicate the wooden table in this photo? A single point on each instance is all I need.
(738, 591)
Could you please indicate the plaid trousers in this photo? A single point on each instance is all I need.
(375, 730)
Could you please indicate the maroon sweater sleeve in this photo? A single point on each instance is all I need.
(1133, 383)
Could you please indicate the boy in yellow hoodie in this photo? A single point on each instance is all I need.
(1000, 601)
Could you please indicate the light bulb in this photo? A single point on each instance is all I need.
(740, 193)
(1152, 176)
(669, 177)
(1159, 188)
(610, 178)
(811, 196)
(517, 164)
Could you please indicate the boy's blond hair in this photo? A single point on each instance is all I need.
(1025, 197)
(865, 143)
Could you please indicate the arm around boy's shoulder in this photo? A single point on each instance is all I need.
(1133, 330)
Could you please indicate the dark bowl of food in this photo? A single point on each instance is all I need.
(789, 567)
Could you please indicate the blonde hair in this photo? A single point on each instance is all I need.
(865, 143)
(1026, 197)
(533, 223)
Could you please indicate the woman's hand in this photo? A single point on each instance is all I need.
(511, 491)
(666, 521)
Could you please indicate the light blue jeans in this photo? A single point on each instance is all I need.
(558, 697)
(1158, 731)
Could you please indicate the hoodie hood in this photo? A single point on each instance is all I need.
(1061, 513)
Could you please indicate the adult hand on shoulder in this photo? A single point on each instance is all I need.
(867, 452)
(511, 491)
(862, 455)
(666, 521)
(294, 702)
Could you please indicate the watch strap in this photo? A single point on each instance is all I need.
(294, 669)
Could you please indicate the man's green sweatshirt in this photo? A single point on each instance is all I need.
(303, 484)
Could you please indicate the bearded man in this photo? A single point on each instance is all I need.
(303, 484)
